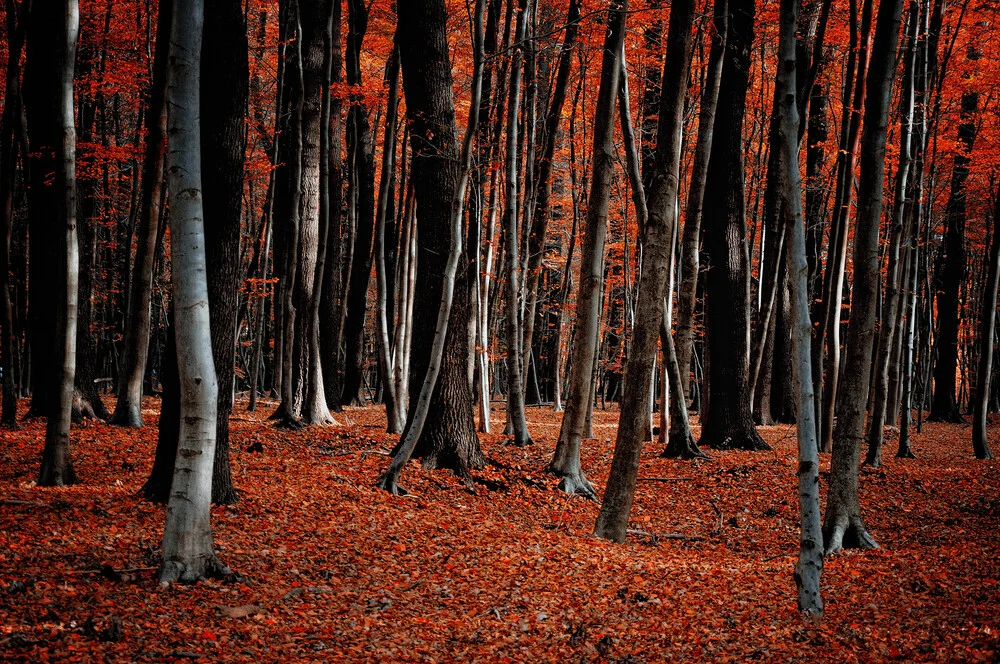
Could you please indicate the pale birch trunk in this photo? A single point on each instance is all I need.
(187, 537)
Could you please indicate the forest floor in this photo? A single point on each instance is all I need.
(336, 570)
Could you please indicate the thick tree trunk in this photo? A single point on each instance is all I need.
(612, 521)
(728, 423)
(52, 36)
(441, 426)
(566, 460)
(187, 536)
(843, 526)
(224, 90)
(128, 408)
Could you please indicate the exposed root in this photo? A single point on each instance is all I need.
(847, 533)
(577, 484)
(175, 571)
(905, 452)
(388, 482)
(681, 446)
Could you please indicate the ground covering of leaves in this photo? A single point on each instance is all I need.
(336, 570)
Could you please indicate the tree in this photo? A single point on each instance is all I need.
(987, 326)
(566, 460)
(223, 94)
(728, 423)
(440, 425)
(789, 190)
(843, 525)
(128, 407)
(188, 554)
(51, 53)
(658, 240)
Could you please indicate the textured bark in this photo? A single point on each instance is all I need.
(51, 44)
(689, 267)
(843, 526)
(566, 459)
(187, 536)
(128, 407)
(441, 426)
(788, 189)
(728, 422)
(224, 90)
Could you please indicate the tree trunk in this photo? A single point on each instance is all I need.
(566, 460)
(687, 293)
(809, 568)
(944, 408)
(890, 308)
(441, 420)
(52, 36)
(128, 407)
(515, 369)
(987, 327)
(658, 241)
(728, 423)
(224, 90)
(843, 525)
(362, 154)
(187, 536)
(9, 128)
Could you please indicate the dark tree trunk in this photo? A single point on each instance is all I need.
(944, 408)
(448, 439)
(361, 155)
(843, 525)
(728, 424)
(10, 122)
(612, 522)
(987, 326)
(224, 90)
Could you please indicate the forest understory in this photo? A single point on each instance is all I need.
(329, 568)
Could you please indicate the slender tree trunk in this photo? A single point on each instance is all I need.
(612, 522)
(843, 525)
(687, 293)
(887, 328)
(987, 327)
(128, 408)
(362, 152)
(187, 537)
(809, 568)
(566, 460)
(515, 369)
(944, 408)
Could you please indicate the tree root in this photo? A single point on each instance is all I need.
(577, 484)
(847, 533)
(681, 446)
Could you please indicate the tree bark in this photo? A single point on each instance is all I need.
(52, 37)
(128, 407)
(188, 554)
(843, 526)
(728, 423)
(987, 327)
(224, 90)
(566, 460)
